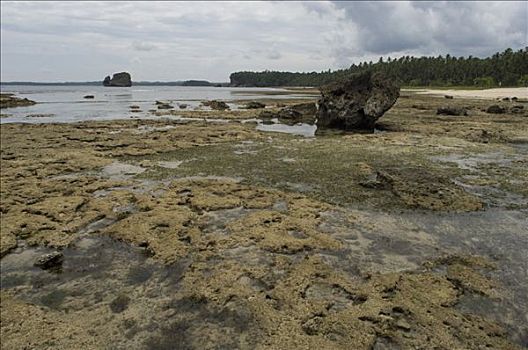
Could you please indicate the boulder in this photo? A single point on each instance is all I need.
(496, 109)
(357, 102)
(118, 80)
(450, 110)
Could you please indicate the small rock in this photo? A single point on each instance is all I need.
(514, 99)
(385, 343)
(134, 107)
(165, 106)
(517, 109)
(50, 261)
(254, 105)
(182, 106)
(216, 105)
(505, 98)
(8, 100)
(39, 115)
(449, 110)
(89, 96)
(496, 109)
(449, 97)
(403, 325)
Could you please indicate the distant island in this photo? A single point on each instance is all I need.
(134, 83)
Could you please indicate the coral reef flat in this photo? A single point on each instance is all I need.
(209, 233)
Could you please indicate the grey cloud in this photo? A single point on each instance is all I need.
(274, 55)
(78, 40)
(460, 28)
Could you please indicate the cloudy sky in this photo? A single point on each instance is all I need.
(167, 41)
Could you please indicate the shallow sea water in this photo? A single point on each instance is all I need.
(67, 103)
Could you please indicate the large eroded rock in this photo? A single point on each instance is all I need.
(357, 102)
(122, 79)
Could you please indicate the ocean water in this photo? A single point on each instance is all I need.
(67, 103)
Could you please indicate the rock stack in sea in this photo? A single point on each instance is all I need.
(122, 79)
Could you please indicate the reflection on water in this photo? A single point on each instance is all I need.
(303, 129)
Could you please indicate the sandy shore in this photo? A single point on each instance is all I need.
(485, 94)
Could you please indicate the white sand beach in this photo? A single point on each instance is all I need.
(485, 94)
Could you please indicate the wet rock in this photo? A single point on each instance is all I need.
(40, 115)
(50, 261)
(450, 110)
(119, 304)
(374, 181)
(384, 343)
(308, 108)
(313, 325)
(299, 113)
(89, 96)
(496, 109)
(216, 105)
(254, 105)
(122, 79)
(164, 105)
(357, 102)
(517, 109)
(8, 100)
(403, 325)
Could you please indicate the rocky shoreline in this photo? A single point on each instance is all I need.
(215, 235)
(8, 100)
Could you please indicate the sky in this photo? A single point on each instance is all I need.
(169, 41)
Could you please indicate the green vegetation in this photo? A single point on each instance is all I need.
(507, 68)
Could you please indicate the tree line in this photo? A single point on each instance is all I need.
(507, 68)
